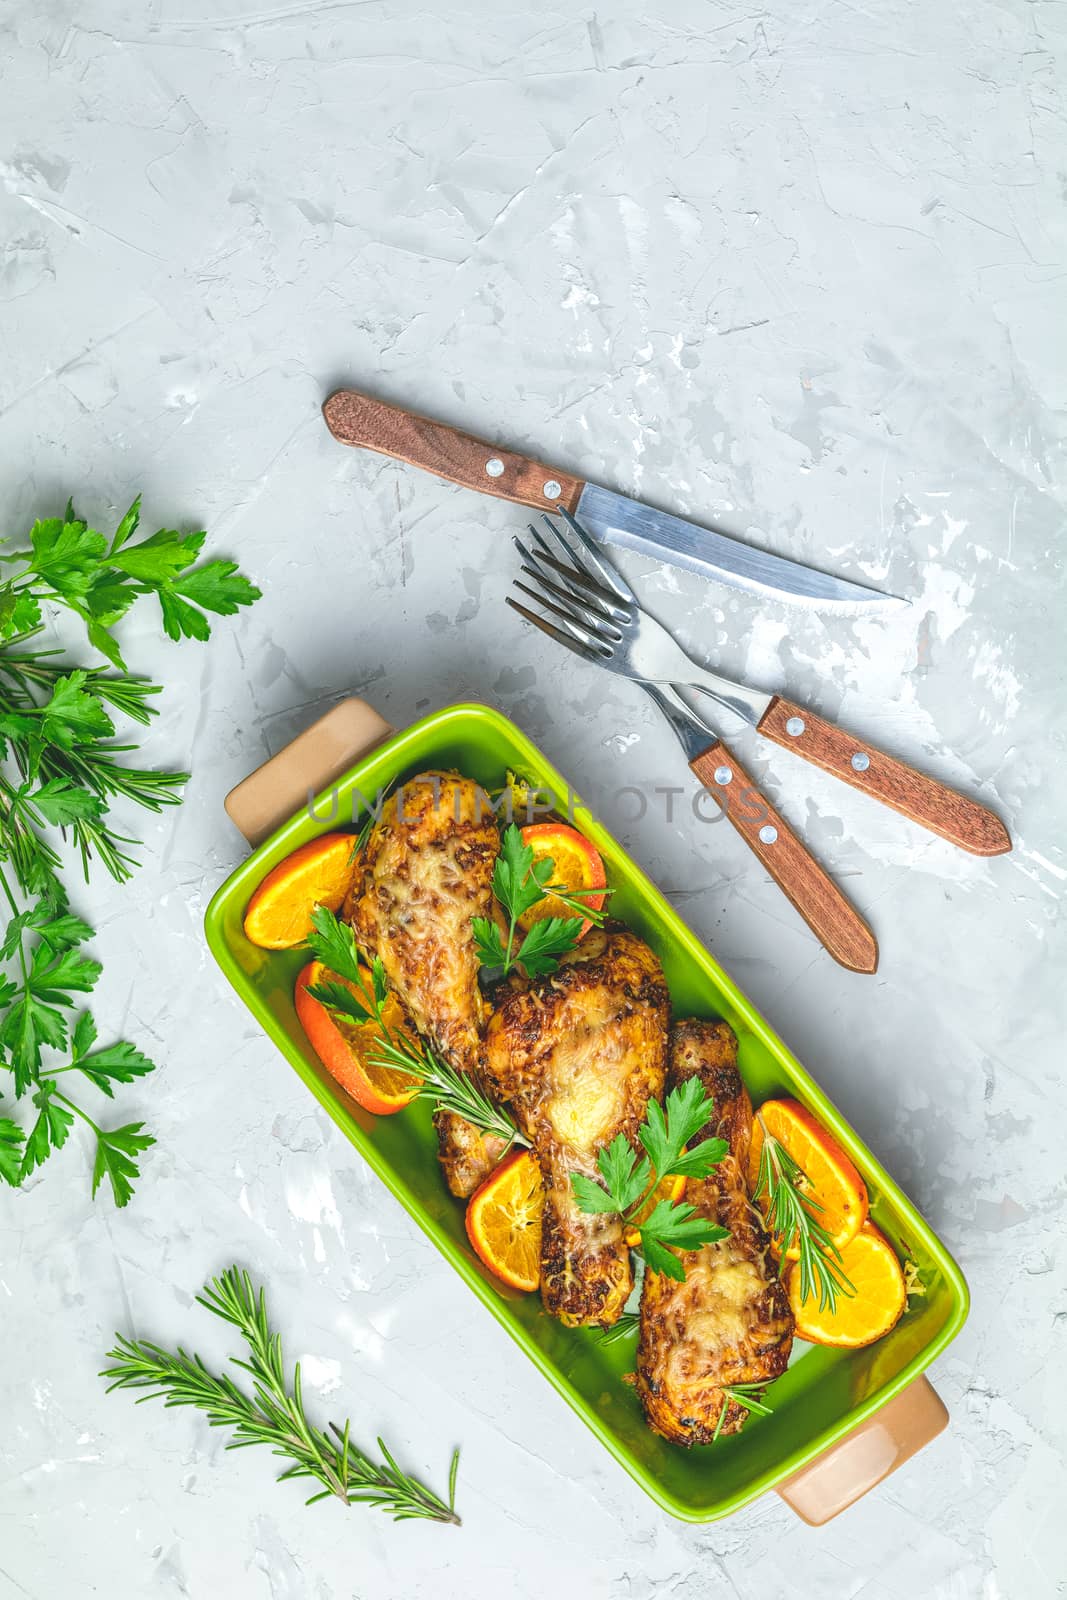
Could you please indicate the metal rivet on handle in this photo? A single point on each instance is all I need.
(768, 835)
(795, 726)
(494, 467)
(723, 775)
(860, 761)
(552, 490)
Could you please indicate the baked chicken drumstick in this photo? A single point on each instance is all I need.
(426, 873)
(577, 1056)
(729, 1322)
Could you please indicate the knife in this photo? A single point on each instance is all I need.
(356, 419)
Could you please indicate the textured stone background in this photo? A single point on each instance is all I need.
(797, 268)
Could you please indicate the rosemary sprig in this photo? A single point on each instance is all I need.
(792, 1220)
(627, 1327)
(750, 1395)
(273, 1414)
(334, 945)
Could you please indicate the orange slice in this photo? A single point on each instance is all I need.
(504, 1221)
(343, 1046)
(832, 1180)
(319, 873)
(870, 1264)
(672, 1188)
(576, 864)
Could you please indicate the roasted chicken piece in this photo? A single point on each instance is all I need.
(426, 873)
(729, 1322)
(577, 1056)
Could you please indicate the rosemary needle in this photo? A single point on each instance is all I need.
(273, 1414)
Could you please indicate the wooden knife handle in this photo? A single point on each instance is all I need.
(832, 919)
(356, 419)
(931, 804)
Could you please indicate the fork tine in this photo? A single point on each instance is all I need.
(553, 632)
(573, 581)
(584, 587)
(581, 609)
(592, 640)
(609, 577)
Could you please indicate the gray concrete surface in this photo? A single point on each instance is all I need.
(799, 269)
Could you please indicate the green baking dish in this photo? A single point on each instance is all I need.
(826, 1396)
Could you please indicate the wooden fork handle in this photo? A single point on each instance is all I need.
(356, 419)
(931, 804)
(832, 919)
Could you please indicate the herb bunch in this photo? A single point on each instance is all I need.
(792, 1218)
(62, 770)
(628, 1181)
(273, 1414)
(519, 883)
(333, 944)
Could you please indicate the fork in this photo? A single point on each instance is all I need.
(598, 609)
(832, 918)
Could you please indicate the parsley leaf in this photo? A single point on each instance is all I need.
(11, 1142)
(521, 882)
(333, 943)
(546, 941)
(339, 997)
(61, 802)
(629, 1183)
(117, 1150)
(50, 1130)
(488, 942)
(666, 1133)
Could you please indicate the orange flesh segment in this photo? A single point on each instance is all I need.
(319, 873)
(343, 1046)
(504, 1221)
(870, 1264)
(576, 864)
(833, 1180)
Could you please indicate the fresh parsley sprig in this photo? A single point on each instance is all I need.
(62, 767)
(629, 1181)
(333, 944)
(273, 1414)
(519, 883)
(792, 1218)
(52, 974)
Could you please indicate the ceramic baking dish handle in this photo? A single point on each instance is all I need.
(316, 758)
(841, 1475)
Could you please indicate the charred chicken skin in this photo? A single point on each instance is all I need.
(729, 1322)
(577, 1056)
(426, 873)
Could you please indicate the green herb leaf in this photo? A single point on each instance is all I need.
(117, 1150)
(488, 942)
(217, 586)
(61, 802)
(339, 998)
(72, 715)
(11, 1145)
(546, 942)
(50, 1130)
(160, 558)
(667, 1130)
(333, 943)
(591, 1197)
(116, 1063)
